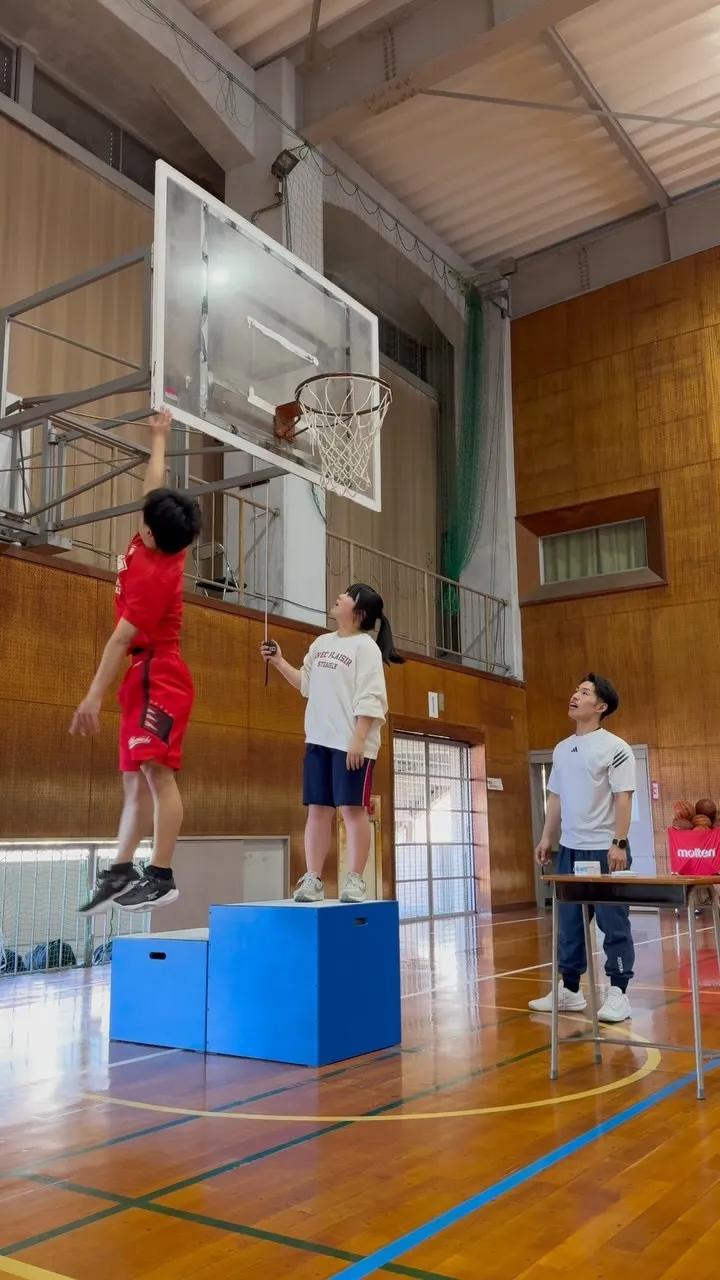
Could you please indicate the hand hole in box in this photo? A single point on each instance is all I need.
(361, 920)
(158, 955)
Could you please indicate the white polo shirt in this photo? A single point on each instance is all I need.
(588, 771)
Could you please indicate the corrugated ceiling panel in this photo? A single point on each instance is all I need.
(261, 29)
(500, 180)
(660, 57)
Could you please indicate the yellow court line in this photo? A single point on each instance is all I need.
(652, 1062)
(643, 986)
(9, 1267)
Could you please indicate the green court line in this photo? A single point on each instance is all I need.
(253, 1158)
(122, 1203)
(149, 1130)
(274, 1237)
(44, 1236)
(226, 1106)
(146, 1202)
(78, 1188)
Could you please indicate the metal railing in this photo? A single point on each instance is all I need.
(430, 614)
(42, 884)
(77, 479)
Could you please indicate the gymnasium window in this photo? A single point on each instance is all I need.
(402, 348)
(42, 884)
(93, 131)
(434, 840)
(589, 553)
(7, 69)
(609, 544)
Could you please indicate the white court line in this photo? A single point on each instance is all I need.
(530, 968)
(126, 1062)
(87, 1071)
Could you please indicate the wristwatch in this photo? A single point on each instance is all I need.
(620, 844)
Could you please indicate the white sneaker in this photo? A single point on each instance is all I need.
(616, 1007)
(310, 889)
(568, 1001)
(354, 889)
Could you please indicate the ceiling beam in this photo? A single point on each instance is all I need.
(187, 52)
(579, 77)
(421, 46)
(289, 39)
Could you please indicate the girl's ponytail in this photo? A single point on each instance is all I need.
(386, 644)
(369, 610)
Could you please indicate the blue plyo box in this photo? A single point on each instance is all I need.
(158, 989)
(309, 984)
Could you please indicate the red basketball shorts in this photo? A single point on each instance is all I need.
(156, 699)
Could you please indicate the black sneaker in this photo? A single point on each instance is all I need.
(148, 893)
(110, 884)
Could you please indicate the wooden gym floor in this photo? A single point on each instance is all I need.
(452, 1157)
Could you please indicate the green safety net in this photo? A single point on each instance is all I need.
(464, 458)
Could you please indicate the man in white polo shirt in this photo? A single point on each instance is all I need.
(590, 793)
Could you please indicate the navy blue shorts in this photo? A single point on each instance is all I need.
(327, 780)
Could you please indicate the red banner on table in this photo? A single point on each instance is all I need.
(694, 853)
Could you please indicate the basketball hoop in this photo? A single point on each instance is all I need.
(342, 414)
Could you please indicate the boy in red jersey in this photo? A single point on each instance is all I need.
(156, 695)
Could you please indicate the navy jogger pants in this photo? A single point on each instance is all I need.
(613, 921)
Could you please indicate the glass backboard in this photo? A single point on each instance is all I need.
(239, 322)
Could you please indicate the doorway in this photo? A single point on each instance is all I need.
(434, 851)
(642, 841)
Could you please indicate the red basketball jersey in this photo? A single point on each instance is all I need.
(149, 594)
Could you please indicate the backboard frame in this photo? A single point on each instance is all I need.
(274, 456)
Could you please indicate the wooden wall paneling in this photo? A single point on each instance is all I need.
(540, 343)
(601, 391)
(599, 324)
(664, 303)
(709, 348)
(274, 781)
(48, 635)
(277, 705)
(105, 784)
(512, 874)
(216, 647)
(672, 403)
(659, 645)
(686, 674)
(481, 828)
(543, 419)
(214, 782)
(707, 283)
(45, 789)
(691, 516)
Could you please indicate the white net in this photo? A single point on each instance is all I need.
(342, 415)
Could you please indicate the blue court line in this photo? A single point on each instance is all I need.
(396, 1249)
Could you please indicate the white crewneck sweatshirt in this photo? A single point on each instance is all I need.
(343, 678)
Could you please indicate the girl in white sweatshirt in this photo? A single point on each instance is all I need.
(343, 680)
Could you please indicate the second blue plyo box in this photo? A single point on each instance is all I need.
(309, 985)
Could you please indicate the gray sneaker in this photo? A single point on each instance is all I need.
(354, 889)
(310, 889)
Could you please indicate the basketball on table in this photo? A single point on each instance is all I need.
(706, 809)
